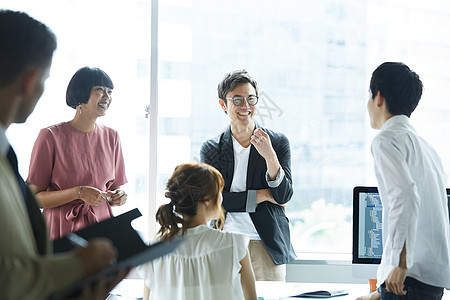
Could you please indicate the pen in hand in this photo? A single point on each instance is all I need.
(77, 240)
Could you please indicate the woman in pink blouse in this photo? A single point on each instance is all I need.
(77, 167)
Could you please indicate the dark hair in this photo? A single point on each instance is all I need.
(232, 79)
(79, 88)
(24, 43)
(399, 85)
(189, 184)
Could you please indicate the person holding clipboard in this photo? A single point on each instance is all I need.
(29, 270)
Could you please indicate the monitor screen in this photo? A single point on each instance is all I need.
(367, 233)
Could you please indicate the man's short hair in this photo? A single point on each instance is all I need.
(232, 79)
(24, 43)
(80, 86)
(399, 85)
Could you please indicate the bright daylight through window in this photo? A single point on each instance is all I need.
(312, 61)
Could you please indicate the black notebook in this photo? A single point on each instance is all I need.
(322, 294)
(132, 251)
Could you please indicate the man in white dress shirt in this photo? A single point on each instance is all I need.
(411, 181)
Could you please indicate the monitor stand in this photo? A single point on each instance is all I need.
(367, 271)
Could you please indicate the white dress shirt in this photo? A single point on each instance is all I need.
(411, 182)
(205, 266)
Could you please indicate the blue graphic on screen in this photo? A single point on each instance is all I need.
(370, 239)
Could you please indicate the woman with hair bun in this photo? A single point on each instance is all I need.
(209, 264)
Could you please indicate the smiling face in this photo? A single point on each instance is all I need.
(240, 115)
(99, 101)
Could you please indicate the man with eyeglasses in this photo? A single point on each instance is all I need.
(256, 165)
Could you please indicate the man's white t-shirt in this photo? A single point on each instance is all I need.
(240, 222)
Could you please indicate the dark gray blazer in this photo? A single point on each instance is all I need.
(269, 219)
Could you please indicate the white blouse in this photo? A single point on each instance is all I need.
(205, 266)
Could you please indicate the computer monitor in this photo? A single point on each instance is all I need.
(367, 233)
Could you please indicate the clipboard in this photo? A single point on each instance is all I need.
(322, 294)
(132, 251)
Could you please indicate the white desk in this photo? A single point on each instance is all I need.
(269, 290)
(283, 290)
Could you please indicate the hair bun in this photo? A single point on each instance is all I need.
(175, 196)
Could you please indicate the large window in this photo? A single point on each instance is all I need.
(312, 61)
(115, 38)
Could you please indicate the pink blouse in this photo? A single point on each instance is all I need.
(63, 158)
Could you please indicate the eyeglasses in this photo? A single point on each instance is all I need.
(239, 100)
